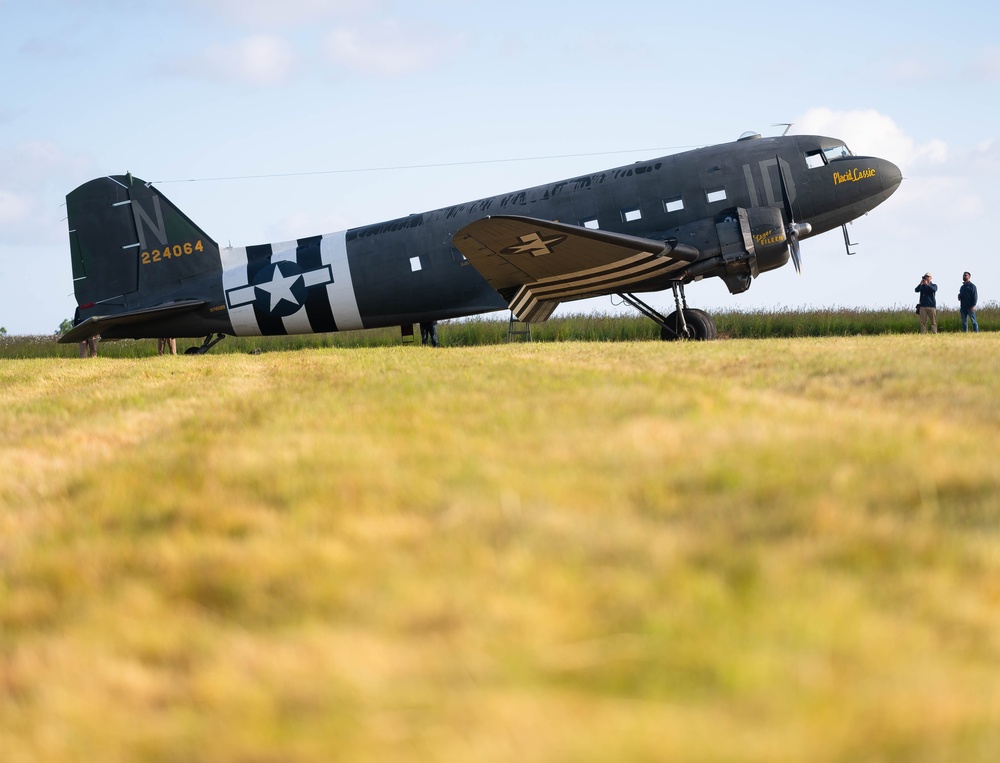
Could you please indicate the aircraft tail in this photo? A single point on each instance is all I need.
(132, 249)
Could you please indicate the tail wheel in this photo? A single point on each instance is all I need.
(700, 326)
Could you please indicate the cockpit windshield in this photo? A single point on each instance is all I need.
(823, 156)
(837, 152)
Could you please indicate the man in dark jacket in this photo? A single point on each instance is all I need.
(968, 297)
(928, 303)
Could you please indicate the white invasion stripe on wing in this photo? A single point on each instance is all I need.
(637, 268)
(534, 302)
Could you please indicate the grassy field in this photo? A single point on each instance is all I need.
(767, 550)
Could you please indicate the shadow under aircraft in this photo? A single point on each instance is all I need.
(142, 268)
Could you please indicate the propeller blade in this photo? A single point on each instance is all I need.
(794, 231)
(793, 247)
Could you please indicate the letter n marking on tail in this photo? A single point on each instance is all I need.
(158, 228)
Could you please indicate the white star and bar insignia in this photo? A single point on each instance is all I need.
(280, 287)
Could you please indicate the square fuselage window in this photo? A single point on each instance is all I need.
(675, 204)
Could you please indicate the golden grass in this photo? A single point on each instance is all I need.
(745, 550)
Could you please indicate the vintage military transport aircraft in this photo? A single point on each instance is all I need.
(142, 268)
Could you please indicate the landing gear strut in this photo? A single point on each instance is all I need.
(207, 345)
(684, 323)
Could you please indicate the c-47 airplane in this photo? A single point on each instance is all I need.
(142, 268)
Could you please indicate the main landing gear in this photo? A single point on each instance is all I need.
(684, 323)
(207, 345)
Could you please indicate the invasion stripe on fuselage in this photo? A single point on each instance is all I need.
(265, 296)
(343, 299)
(240, 295)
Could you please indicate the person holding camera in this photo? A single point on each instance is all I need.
(928, 303)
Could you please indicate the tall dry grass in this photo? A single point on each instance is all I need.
(592, 327)
(743, 550)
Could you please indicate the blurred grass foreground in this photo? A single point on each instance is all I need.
(747, 550)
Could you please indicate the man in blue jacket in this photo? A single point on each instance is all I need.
(967, 299)
(928, 303)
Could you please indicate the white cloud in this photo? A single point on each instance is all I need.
(386, 49)
(260, 59)
(933, 151)
(937, 184)
(924, 198)
(871, 133)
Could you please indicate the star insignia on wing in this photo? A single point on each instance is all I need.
(533, 244)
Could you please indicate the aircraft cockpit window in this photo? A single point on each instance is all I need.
(836, 152)
(814, 159)
(821, 157)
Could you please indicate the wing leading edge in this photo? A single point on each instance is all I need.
(536, 264)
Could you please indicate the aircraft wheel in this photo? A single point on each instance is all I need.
(711, 332)
(700, 326)
(193, 351)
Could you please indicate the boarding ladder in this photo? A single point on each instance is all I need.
(518, 328)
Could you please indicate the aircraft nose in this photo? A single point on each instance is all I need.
(890, 174)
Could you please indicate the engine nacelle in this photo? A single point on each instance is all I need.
(768, 237)
(740, 244)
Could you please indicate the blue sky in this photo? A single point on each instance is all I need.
(310, 90)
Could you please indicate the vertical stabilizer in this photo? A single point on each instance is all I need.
(131, 248)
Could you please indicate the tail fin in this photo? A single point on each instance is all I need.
(131, 248)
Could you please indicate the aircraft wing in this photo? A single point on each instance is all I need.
(98, 323)
(535, 264)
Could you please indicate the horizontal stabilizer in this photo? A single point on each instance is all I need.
(99, 323)
(535, 264)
